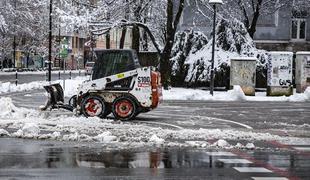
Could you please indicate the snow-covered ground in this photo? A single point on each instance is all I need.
(173, 94)
(235, 94)
(70, 85)
(30, 123)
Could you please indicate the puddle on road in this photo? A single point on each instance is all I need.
(29, 154)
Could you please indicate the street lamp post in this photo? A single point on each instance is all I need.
(213, 3)
(50, 42)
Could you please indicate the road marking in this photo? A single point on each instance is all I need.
(161, 123)
(302, 148)
(235, 161)
(269, 178)
(203, 117)
(220, 153)
(233, 122)
(252, 170)
(269, 167)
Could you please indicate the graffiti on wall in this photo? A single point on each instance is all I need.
(243, 72)
(280, 69)
(305, 76)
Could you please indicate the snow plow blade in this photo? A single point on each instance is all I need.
(55, 98)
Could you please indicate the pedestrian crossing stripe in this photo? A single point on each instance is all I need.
(220, 153)
(302, 148)
(252, 170)
(269, 178)
(235, 161)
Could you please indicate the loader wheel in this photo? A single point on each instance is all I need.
(93, 106)
(124, 108)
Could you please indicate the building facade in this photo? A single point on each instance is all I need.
(286, 29)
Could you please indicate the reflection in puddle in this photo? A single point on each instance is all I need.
(22, 154)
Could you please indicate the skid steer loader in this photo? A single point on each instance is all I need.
(118, 84)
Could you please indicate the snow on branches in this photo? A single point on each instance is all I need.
(232, 40)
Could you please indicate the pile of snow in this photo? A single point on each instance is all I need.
(4, 133)
(8, 87)
(105, 137)
(70, 87)
(30, 129)
(9, 110)
(71, 128)
(236, 94)
(156, 140)
(250, 146)
(221, 143)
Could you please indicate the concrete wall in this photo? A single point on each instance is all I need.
(280, 31)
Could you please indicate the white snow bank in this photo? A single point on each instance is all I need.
(31, 123)
(156, 140)
(105, 137)
(221, 143)
(236, 94)
(37, 125)
(30, 129)
(9, 110)
(69, 89)
(4, 133)
(8, 87)
(250, 146)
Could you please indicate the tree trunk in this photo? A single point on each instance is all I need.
(252, 28)
(171, 26)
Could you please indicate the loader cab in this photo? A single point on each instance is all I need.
(111, 62)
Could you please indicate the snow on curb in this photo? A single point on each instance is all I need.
(236, 94)
(70, 85)
(8, 87)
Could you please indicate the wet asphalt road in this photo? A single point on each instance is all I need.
(28, 159)
(282, 118)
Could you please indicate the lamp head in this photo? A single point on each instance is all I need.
(216, 2)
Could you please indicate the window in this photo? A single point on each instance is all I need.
(299, 23)
(112, 62)
(299, 29)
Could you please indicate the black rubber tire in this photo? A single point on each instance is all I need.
(96, 101)
(123, 103)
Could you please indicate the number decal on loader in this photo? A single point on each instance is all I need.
(144, 81)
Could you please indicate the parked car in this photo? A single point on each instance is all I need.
(89, 67)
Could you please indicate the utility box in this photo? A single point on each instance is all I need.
(280, 74)
(243, 73)
(302, 72)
